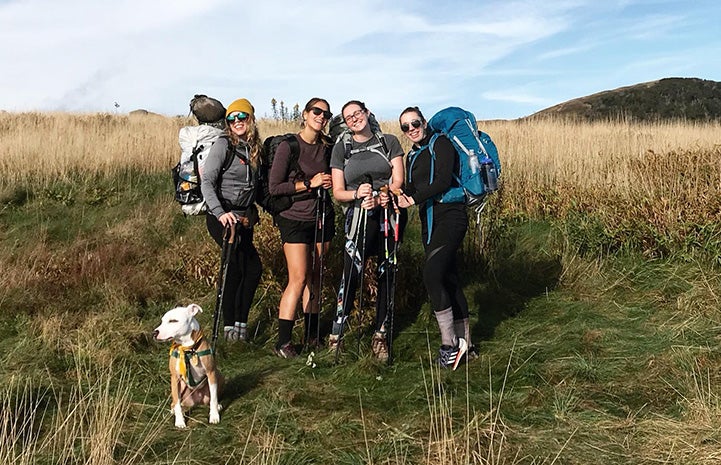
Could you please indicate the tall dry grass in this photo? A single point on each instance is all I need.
(43, 147)
(653, 187)
(539, 152)
(664, 174)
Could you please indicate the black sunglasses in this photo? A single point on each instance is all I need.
(415, 123)
(317, 111)
(240, 116)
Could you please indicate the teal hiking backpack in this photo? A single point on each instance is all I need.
(480, 166)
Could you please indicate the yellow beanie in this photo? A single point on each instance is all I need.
(240, 105)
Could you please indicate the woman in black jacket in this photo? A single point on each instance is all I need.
(229, 183)
(443, 227)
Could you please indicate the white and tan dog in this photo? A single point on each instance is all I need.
(194, 377)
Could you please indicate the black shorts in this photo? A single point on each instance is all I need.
(305, 232)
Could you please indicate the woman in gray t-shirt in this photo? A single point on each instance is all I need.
(364, 167)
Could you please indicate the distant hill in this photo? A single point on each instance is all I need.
(671, 98)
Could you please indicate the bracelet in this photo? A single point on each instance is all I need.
(355, 194)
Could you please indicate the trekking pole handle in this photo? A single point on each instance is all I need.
(229, 233)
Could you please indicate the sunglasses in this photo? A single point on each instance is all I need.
(415, 123)
(240, 116)
(317, 111)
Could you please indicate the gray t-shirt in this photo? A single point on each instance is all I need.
(367, 161)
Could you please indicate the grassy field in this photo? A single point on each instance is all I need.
(593, 280)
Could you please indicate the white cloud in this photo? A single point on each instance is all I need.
(84, 55)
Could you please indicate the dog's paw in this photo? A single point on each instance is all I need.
(180, 424)
(214, 418)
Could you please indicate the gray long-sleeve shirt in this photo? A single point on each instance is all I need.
(236, 187)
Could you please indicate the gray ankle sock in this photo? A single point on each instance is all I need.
(445, 324)
(463, 329)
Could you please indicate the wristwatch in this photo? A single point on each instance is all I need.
(306, 183)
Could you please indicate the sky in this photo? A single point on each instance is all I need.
(500, 59)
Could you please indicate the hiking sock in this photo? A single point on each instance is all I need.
(445, 324)
(285, 330)
(463, 329)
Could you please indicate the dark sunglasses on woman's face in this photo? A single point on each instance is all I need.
(415, 123)
(240, 116)
(317, 111)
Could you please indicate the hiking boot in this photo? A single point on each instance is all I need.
(333, 342)
(285, 351)
(230, 333)
(379, 346)
(450, 357)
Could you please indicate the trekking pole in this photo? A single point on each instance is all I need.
(313, 253)
(351, 248)
(225, 252)
(363, 226)
(391, 277)
(324, 197)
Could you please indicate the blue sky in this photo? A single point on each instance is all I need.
(499, 59)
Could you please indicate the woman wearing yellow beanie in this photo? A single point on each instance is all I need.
(234, 159)
(304, 229)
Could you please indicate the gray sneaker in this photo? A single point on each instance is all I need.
(230, 333)
(242, 333)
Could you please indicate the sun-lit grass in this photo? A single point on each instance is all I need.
(652, 185)
(587, 356)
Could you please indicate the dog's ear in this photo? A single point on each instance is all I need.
(194, 309)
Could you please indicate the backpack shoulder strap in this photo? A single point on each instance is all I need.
(229, 155)
(347, 145)
(294, 153)
(381, 138)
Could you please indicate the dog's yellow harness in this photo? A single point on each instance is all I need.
(189, 355)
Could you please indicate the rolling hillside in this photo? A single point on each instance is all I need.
(688, 99)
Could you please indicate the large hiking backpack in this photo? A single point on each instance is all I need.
(195, 143)
(339, 132)
(479, 164)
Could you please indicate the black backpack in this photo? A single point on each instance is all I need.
(274, 204)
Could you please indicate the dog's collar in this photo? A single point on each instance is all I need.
(189, 355)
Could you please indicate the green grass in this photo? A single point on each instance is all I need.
(586, 357)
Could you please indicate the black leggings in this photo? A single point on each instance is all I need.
(375, 244)
(440, 271)
(244, 271)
